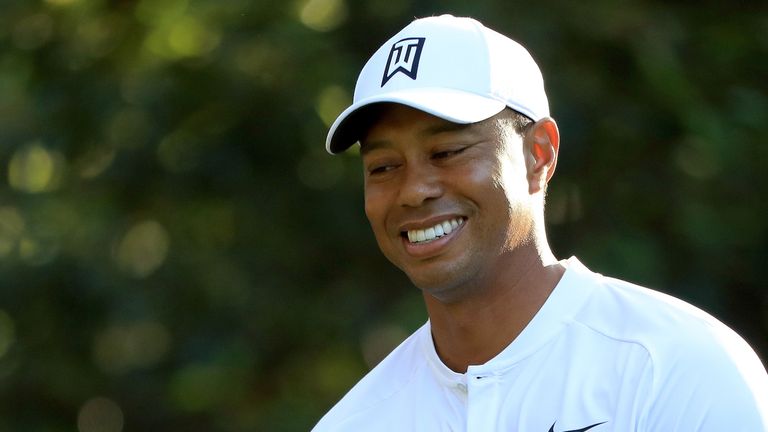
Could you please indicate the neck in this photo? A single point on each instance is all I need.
(475, 329)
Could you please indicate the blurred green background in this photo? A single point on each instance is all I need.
(178, 253)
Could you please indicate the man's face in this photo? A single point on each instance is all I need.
(446, 201)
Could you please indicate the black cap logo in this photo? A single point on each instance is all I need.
(404, 57)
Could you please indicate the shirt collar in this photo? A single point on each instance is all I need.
(557, 312)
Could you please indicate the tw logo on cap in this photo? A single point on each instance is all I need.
(404, 57)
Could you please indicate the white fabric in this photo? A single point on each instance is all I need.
(600, 350)
(470, 71)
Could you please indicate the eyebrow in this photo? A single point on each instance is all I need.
(443, 127)
(436, 129)
(370, 146)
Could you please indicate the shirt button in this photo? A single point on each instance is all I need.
(462, 387)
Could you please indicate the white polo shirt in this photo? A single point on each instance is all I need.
(601, 355)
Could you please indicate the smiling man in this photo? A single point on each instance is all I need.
(457, 149)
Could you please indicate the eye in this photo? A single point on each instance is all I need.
(444, 154)
(380, 169)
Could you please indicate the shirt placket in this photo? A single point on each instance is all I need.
(482, 402)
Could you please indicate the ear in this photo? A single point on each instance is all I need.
(543, 139)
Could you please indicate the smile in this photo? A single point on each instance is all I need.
(429, 234)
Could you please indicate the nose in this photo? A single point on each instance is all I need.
(420, 183)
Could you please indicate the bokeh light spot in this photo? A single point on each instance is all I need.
(159, 11)
(95, 161)
(143, 249)
(261, 60)
(96, 37)
(332, 101)
(6, 247)
(100, 415)
(33, 31)
(16, 74)
(11, 230)
(190, 38)
(61, 2)
(323, 15)
(34, 169)
(696, 160)
(122, 348)
(38, 251)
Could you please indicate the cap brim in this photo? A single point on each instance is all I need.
(453, 105)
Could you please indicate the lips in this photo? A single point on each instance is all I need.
(440, 229)
(429, 238)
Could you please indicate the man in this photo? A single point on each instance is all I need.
(457, 148)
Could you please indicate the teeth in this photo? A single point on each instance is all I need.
(437, 231)
(447, 227)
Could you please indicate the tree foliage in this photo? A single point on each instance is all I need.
(177, 251)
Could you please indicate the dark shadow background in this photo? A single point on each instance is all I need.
(178, 253)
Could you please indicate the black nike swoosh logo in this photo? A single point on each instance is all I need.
(552, 429)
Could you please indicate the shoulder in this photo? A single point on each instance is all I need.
(383, 383)
(667, 327)
(700, 369)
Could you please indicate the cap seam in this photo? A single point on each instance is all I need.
(478, 27)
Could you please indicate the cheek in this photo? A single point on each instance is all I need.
(376, 212)
(375, 209)
(512, 177)
(495, 178)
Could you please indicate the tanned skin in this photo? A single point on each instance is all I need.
(485, 281)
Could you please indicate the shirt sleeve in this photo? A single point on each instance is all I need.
(708, 384)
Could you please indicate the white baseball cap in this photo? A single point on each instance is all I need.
(453, 68)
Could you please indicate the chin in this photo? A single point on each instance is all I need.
(447, 288)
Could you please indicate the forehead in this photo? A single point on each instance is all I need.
(388, 119)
